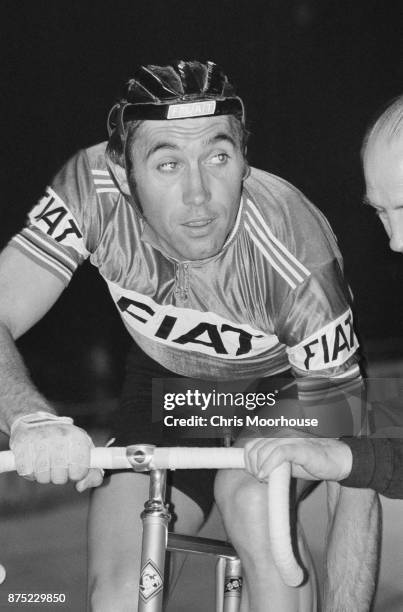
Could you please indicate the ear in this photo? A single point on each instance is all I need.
(120, 176)
(246, 171)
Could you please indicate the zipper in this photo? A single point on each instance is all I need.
(182, 282)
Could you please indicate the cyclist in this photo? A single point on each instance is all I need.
(375, 462)
(218, 272)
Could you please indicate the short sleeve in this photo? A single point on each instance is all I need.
(57, 235)
(307, 295)
(317, 325)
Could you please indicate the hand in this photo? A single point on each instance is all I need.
(310, 458)
(48, 448)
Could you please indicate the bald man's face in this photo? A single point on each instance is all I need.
(383, 170)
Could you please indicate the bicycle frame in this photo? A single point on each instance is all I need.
(157, 540)
(156, 516)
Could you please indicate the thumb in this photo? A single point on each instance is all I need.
(94, 478)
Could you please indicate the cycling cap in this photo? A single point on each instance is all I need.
(178, 91)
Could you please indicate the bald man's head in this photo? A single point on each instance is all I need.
(382, 156)
(388, 126)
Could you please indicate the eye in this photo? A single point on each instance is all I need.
(168, 166)
(219, 159)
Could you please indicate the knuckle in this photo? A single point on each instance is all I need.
(78, 473)
(20, 469)
(97, 479)
(280, 453)
(41, 465)
(249, 446)
(59, 480)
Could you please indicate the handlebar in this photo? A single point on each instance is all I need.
(146, 457)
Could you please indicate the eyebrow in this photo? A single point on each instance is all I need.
(221, 136)
(160, 145)
(368, 202)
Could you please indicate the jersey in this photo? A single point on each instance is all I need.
(272, 298)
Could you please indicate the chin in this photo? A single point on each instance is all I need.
(194, 255)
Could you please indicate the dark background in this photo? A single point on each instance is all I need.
(312, 74)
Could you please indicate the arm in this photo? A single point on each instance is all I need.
(310, 458)
(377, 463)
(314, 321)
(352, 544)
(27, 292)
(366, 463)
(46, 448)
(353, 547)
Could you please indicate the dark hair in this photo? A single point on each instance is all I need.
(116, 149)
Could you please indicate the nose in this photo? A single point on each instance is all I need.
(196, 190)
(396, 231)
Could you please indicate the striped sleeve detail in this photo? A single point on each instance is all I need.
(46, 253)
(236, 224)
(103, 182)
(51, 218)
(282, 260)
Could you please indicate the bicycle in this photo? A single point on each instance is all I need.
(156, 517)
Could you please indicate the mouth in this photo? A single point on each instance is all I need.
(199, 228)
(199, 223)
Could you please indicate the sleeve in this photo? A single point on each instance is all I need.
(377, 464)
(316, 325)
(310, 304)
(59, 233)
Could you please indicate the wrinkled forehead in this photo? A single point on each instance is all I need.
(200, 130)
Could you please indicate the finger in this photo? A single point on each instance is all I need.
(291, 453)
(251, 456)
(248, 455)
(43, 477)
(59, 475)
(260, 449)
(24, 464)
(94, 478)
(40, 452)
(254, 453)
(59, 462)
(275, 458)
(292, 446)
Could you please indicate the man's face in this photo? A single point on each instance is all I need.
(187, 176)
(383, 169)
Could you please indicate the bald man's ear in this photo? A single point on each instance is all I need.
(120, 176)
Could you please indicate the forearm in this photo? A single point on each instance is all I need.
(18, 394)
(352, 551)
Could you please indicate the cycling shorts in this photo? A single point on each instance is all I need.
(133, 424)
